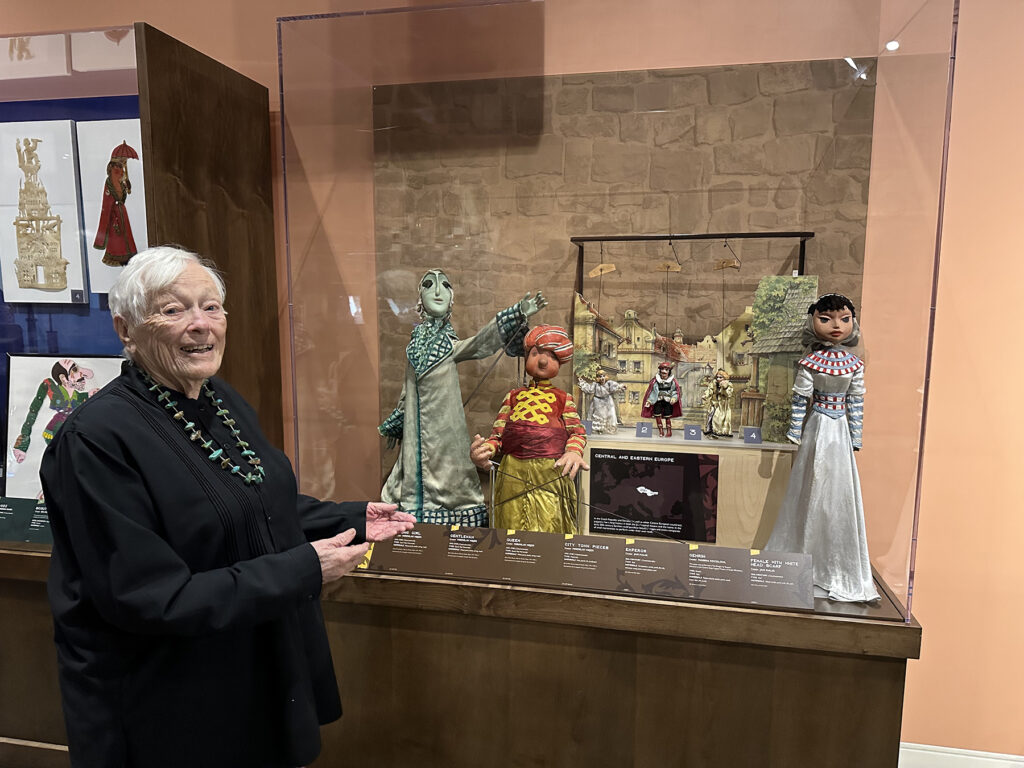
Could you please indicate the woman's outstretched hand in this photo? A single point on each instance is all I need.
(384, 521)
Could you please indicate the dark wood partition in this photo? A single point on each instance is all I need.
(206, 132)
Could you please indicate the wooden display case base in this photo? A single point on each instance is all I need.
(437, 673)
(445, 673)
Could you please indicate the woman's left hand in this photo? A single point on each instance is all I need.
(384, 521)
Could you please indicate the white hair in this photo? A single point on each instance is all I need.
(147, 274)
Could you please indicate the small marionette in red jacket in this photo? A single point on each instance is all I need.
(541, 440)
(661, 401)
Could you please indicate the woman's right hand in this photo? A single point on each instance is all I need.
(338, 556)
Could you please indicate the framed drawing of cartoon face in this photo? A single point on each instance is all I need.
(42, 392)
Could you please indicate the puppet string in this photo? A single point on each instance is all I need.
(504, 349)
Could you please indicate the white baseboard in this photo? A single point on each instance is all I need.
(927, 756)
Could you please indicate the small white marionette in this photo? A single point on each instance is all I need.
(434, 478)
(822, 514)
(717, 399)
(661, 400)
(603, 412)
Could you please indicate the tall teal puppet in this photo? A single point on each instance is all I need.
(434, 478)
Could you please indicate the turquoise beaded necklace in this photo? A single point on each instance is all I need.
(217, 454)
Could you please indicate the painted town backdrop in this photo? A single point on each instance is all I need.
(757, 349)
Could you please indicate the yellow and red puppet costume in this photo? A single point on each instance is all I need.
(540, 439)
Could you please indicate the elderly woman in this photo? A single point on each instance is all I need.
(186, 566)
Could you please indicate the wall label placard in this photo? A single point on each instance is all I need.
(650, 567)
(24, 520)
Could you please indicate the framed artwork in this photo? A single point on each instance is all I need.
(112, 181)
(37, 56)
(101, 51)
(41, 259)
(43, 390)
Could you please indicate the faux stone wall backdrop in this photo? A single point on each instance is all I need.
(489, 179)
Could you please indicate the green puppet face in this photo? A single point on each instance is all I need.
(436, 293)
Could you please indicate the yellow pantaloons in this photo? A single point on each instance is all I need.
(531, 495)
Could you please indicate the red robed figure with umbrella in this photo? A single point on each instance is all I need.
(114, 233)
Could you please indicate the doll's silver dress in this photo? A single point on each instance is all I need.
(822, 514)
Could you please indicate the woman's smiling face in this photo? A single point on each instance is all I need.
(181, 341)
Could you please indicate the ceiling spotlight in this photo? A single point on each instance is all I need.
(892, 45)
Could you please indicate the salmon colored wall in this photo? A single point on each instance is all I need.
(964, 692)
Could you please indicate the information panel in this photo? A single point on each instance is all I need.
(655, 568)
(24, 520)
(654, 493)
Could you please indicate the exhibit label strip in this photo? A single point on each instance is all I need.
(652, 568)
(24, 520)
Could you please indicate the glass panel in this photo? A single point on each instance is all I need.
(420, 139)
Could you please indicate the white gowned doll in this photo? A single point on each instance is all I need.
(822, 514)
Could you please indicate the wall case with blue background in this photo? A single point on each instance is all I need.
(63, 99)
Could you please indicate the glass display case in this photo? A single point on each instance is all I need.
(679, 197)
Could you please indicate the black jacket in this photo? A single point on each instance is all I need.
(185, 602)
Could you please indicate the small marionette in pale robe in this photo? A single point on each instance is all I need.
(604, 414)
(717, 400)
(540, 439)
(822, 513)
(114, 231)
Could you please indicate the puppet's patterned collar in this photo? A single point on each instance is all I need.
(431, 343)
(834, 362)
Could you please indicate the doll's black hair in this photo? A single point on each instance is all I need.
(832, 302)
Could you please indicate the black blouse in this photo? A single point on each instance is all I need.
(185, 602)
